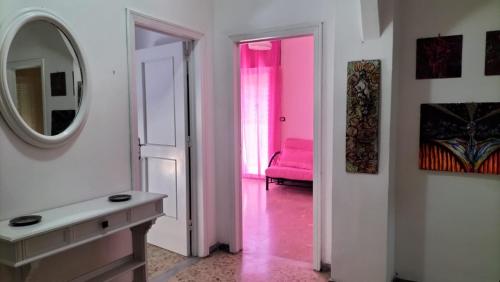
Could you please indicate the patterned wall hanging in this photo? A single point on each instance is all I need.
(492, 64)
(363, 100)
(439, 57)
(460, 137)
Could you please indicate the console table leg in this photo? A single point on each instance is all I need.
(139, 249)
(23, 273)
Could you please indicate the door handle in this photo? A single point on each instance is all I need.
(139, 142)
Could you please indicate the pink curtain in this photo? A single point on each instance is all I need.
(260, 106)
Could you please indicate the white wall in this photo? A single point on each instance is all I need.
(236, 17)
(448, 225)
(297, 96)
(96, 163)
(361, 202)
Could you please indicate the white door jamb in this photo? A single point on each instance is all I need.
(314, 29)
(199, 143)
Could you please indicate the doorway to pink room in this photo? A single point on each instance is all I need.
(277, 81)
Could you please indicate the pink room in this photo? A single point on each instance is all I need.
(277, 122)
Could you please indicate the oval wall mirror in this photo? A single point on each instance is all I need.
(43, 80)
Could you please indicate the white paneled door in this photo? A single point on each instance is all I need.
(163, 136)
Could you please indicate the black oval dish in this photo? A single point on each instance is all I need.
(25, 220)
(120, 198)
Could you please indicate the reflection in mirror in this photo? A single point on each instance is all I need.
(44, 77)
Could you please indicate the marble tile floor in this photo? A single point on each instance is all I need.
(278, 222)
(221, 266)
(160, 260)
(277, 242)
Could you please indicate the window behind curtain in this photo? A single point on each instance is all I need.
(260, 107)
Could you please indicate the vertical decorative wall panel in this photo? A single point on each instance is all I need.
(363, 103)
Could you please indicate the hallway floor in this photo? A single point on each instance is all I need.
(277, 242)
(278, 222)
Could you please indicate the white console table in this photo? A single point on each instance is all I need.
(66, 227)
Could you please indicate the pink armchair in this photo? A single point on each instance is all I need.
(294, 163)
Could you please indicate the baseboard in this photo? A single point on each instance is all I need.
(396, 279)
(218, 247)
(326, 267)
(214, 248)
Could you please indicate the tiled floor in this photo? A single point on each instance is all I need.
(160, 260)
(277, 243)
(278, 222)
(243, 267)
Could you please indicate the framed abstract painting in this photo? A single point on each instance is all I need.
(439, 57)
(363, 103)
(492, 62)
(460, 137)
(61, 119)
(58, 84)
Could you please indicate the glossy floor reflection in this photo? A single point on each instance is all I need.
(278, 222)
(277, 242)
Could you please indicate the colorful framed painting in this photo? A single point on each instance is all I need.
(439, 57)
(363, 102)
(492, 62)
(460, 137)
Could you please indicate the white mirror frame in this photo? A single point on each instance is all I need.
(7, 106)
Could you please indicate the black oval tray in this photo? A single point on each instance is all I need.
(25, 220)
(120, 198)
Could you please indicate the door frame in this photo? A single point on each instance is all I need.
(199, 236)
(311, 29)
(26, 64)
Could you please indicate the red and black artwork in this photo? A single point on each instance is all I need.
(439, 57)
(492, 65)
(460, 137)
(363, 102)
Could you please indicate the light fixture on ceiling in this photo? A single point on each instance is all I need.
(260, 45)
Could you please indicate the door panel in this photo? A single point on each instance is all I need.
(161, 89)
(162, 179)
(160, 101)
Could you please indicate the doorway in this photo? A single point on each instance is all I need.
(29, 97)
(314, 31)
(277, 113)
(167, 139)
(163, 133)
(26, 85)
